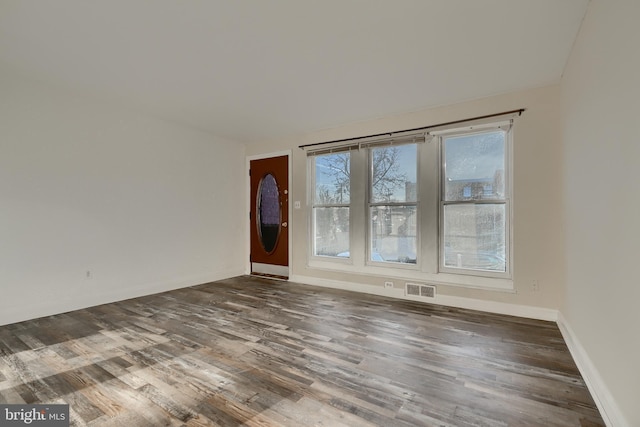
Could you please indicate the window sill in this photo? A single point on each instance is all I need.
(448, 279)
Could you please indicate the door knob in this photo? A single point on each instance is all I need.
(284, 224)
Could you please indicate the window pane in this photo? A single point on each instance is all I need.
(332, 178)
(475, 166)
(331, 226)
(393, 174)
(269, 214)
(393, 234)
(474, 236)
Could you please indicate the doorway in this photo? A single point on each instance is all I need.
(269, 216)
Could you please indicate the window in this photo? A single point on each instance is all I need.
(430, 207)
(331, 201)
(393, 206)
(473, 201)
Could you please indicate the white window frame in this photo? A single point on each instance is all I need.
(506, 127)
(311, 202)
(428, 266)
(370, 204)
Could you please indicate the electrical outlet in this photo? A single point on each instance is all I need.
(296, 204)
(535, 285)
(388, 284)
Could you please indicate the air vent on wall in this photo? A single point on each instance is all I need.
(415, 290)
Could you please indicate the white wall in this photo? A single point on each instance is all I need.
(601, 108)
(538, 239)
(143, 204)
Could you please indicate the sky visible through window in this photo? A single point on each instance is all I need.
(474, 157)
(467, 157)
(332, 178)
(332, 166)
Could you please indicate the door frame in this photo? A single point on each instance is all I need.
(248, 202)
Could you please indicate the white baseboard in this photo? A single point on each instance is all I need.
(527, 311)
(34, 310)
(607, 406)
(605, 402)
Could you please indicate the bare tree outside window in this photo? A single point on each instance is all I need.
(388, 178)
(392, 226)
(336, 182)
(471, 224)
(393, 204)
(331, 204)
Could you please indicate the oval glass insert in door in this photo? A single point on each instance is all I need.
(269, 213)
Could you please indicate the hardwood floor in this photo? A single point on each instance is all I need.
(257, 352)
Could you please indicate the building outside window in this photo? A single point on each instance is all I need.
(331, 204)
(435, 205)
(474, 201)
(393, 203)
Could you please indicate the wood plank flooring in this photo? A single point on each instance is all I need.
(257, 352)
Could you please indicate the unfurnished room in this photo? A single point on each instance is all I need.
(304, 213)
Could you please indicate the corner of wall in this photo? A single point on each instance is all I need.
(76, 302)
(611, 413)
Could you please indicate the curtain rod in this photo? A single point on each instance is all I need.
(455, 122)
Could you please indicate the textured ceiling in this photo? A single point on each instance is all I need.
(253, 70)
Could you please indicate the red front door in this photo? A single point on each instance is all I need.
(270, 216)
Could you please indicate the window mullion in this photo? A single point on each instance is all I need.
(453, 200)
(358, 207)
(474, 202)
